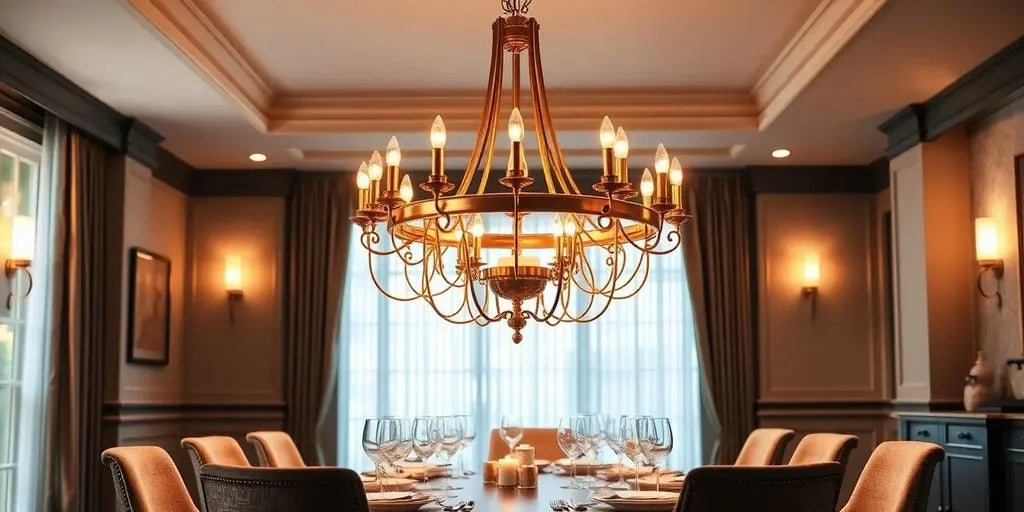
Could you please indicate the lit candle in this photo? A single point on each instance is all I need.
(490, 472)
(438, 136)
(375, 170)
(661, 166)
(528, 477)
(363, 183)
(405, 191)
(607, 136)
(525, 453)
(646, 187)
(524, 261)
(675, 176)
(394, 158)
(508, 472)
(622, 154)
(516, 132)
(557, 230)
(476, 228)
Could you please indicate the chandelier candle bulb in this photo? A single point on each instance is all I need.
(363, 184)
(516, 132)
(647, 187)
(607, 137)
(438, 137)
(622, 155)
(393, 158)
(405, 191)
(376, 171)
(675, 176)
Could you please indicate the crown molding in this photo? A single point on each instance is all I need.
(828, 29)
(204, 42)
(991, 85)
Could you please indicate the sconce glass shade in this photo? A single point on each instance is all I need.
(233, 275)
(986, 239)
(811, 271)
(23, 238)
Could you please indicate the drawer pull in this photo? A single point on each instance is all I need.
(964, 436)
(922, 433)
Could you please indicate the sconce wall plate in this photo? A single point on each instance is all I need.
(997, 268)
(11, 268)
(233, 297)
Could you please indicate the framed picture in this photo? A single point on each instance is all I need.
(149, 307)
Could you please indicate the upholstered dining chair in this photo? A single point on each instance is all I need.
(815, 448)
(897, 478)
(543, 440)
(238, 489)
(146, 480)
(764, 447)
(804, 488)
(221, 450)
(276, 449)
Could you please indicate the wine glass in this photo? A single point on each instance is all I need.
(655, 436)
(568, 436)
(395, 441)
(614, 442)
(450, 430)
(426, 439)
(629, 437)
(511, 431)
(589, 426)
(468, 436)
(372, 448)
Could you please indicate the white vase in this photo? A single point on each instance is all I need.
(977, 385)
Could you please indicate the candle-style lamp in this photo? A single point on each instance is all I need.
(393, 156)
(662, 195)
(622, 155)
(363, 184)
(23, 245)
(437, 183)
(989, 254)
(233, 283)
(811, 279)
(647, 187)
(516, 176)
(607, 136)
(375, 170)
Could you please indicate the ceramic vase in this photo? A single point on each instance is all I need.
(978, 384)
(1015, 374)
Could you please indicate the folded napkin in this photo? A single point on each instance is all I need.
(613, 473)
(636, 495)
(391, 496)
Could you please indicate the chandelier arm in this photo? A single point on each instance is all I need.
(672, 235)
(542, 147)
(546, 111)
(646, 263)
(430, 299)
(369, 238)
(493, 127)
(607, 303)
(373, 277)
(486, 119)
(482, 309)
(427, 278)
(406, 256)
(530, 314)
(437, 206)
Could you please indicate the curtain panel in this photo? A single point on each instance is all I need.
(717, 252)
(318, 234)
(75, 417)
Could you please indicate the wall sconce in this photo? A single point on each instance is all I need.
(987, 251)
(233, 284)
(23, 245)
(811, 278)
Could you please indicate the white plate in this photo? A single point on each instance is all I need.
(395, 484)
(399, 501)
(640, 500)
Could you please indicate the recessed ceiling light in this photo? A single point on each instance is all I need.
(258, 157)
(780, 153)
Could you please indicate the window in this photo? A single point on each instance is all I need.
(400, 358)
(22, 350)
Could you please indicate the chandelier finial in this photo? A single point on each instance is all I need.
(516, 7)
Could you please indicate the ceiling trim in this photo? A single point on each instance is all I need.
(991, 85)
(829, 28)
(334, 155)
(219, 55)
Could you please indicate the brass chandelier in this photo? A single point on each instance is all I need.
(596, 250)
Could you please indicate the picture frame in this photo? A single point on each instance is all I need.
(149, 307)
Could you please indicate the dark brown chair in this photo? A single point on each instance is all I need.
(764, 447)
(221, 450)
(897, 478)
(145, 480)
(814, 448)
(276, 449)
(235, 489)
(806, 488)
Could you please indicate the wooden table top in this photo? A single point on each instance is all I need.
(491, 498)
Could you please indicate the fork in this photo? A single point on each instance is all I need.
(574, 505)
(558, 505)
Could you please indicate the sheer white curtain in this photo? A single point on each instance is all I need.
(400, 358)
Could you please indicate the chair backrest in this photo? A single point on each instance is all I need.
(543, 440)
(764, 447)
(897, 478)
(814, 448)
(276, 449)
(805, 488)
(146, 480)
(236, 489)
(221, 450)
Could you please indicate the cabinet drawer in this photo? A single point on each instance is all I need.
(919, 431)
(966, 436)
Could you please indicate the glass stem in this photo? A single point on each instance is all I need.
(657, 479)
(636, 476)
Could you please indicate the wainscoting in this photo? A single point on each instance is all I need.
(165, 424)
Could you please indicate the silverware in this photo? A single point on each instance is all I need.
(450, 508)
(470, 505)
(574, 505)
(557, 505)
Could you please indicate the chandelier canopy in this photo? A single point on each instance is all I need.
(593, 249)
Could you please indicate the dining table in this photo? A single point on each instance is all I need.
(491, 498)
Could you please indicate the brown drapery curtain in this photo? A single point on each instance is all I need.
(76, 418)
(318, 235)
(717, 252)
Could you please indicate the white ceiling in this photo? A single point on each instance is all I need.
(908, 51)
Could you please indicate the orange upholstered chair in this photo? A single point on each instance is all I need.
(543, 440)
(897, 478)
(221, 450)
(276, 449)
(145, 480)
(815, 448)
(764, 447)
